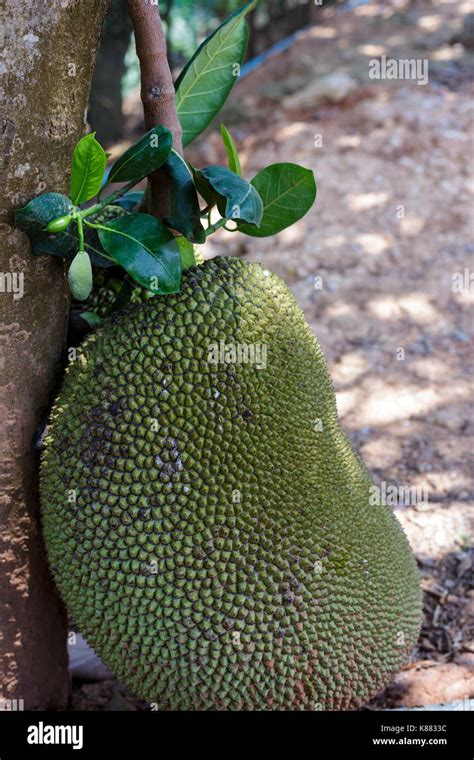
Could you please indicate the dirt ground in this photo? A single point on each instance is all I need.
(372, 266)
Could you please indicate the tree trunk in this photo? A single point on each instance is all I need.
(48, 57)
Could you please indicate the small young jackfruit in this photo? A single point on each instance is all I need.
(207, 522)
(80, 276)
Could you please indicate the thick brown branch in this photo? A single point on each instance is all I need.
(157, 89)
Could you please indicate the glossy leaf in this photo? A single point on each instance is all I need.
(92, 319)
(38, 213)
(34, 218)
(237, 198)
(144, 157)
(186, 250)
(203, 187)
(288, 191)
(130, 201)
(185, 211)
(232, 155)
(207, 79)
(88, 167)
(145, 249)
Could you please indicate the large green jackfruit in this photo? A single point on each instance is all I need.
(208, 523)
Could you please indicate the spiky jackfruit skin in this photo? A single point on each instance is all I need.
(208, 525)
(105, 292)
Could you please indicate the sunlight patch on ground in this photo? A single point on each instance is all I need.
(339, 309)
(382, 454)
(386, 404)
(412, 225)
(466, 298)
(349, 141)
(367, 10)
(290, 130)
(372, 50)
(350, 367)
(381, 403)
(293, 235)
(430, 23)
(448, 53)
(346, 401)
(323, 32)
(363, 201)
(334, 241)
(373, 242)
(417, 305)
(443, 480)
(434, 532)
(428, 368)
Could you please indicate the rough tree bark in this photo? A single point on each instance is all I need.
(157, 91)
(48, 58)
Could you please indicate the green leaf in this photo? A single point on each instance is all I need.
(130, 201)
(207, 79)
(232, 155)
(36, 215)
(33, 220)
(88, 167)
(186, 250)
(288, 191)
(204, 188)
(144, 157)
(185, 211)
(92, 319)
(237, 198)
(145, 249)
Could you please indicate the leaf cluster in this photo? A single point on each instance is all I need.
(154, 251)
